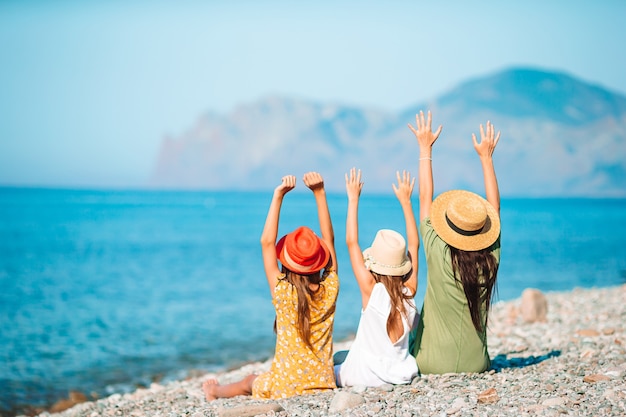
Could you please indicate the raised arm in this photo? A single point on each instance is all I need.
(488, 142)
(403, 192)
(270, 231)
(363, 276)
(315, 182)
(425, 139)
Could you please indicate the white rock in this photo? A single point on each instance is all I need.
(344, 400)
(456, 406)
(553, 402)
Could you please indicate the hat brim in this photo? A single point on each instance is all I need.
(391, 270)
(483, 239)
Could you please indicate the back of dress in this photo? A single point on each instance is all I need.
(446, 339)
(373, 360)
(296, 369)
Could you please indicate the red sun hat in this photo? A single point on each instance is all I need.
(302, 251)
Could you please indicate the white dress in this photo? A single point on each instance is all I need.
(373, 360)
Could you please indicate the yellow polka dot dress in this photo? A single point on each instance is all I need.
(296, 369)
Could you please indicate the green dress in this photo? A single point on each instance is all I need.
(446, 340)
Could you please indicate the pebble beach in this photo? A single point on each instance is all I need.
(573, 362)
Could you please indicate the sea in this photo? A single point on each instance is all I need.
(104, 291)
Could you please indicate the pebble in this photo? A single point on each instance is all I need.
(344, 400)
(456, 406)
(574, 363)
(249, 410)
(551, 402)
(489, 396)
(533, 306)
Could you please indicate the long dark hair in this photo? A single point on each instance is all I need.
(477, 272)
(305, 296)
(395, 288)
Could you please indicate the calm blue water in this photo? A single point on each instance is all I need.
(105, 290)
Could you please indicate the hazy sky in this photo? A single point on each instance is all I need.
(88, 89)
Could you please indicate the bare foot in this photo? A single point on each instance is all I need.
(209, 387)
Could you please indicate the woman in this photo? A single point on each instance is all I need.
(461, 239)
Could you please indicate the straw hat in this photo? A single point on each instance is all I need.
(465, 220)
(387, 255)
(302, 252)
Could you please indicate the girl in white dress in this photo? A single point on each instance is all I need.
(387, 276)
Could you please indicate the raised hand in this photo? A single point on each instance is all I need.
(313, 180)
(354, 184)
(287, 184)
(404, 189)
(423, 130)
(488, 141)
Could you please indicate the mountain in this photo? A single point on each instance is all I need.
(560, 137)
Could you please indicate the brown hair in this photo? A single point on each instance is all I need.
(306, 296)
(477, 272)
(395, 289)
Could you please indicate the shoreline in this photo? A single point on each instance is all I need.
(574, 362)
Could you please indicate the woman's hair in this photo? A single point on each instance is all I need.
(305, 296)
(477, 272)
(395, 288)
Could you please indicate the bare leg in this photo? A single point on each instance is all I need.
(213, 390)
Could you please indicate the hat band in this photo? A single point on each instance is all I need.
(371, 261)
(461, 231)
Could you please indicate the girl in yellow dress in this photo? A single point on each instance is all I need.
(304, 293)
